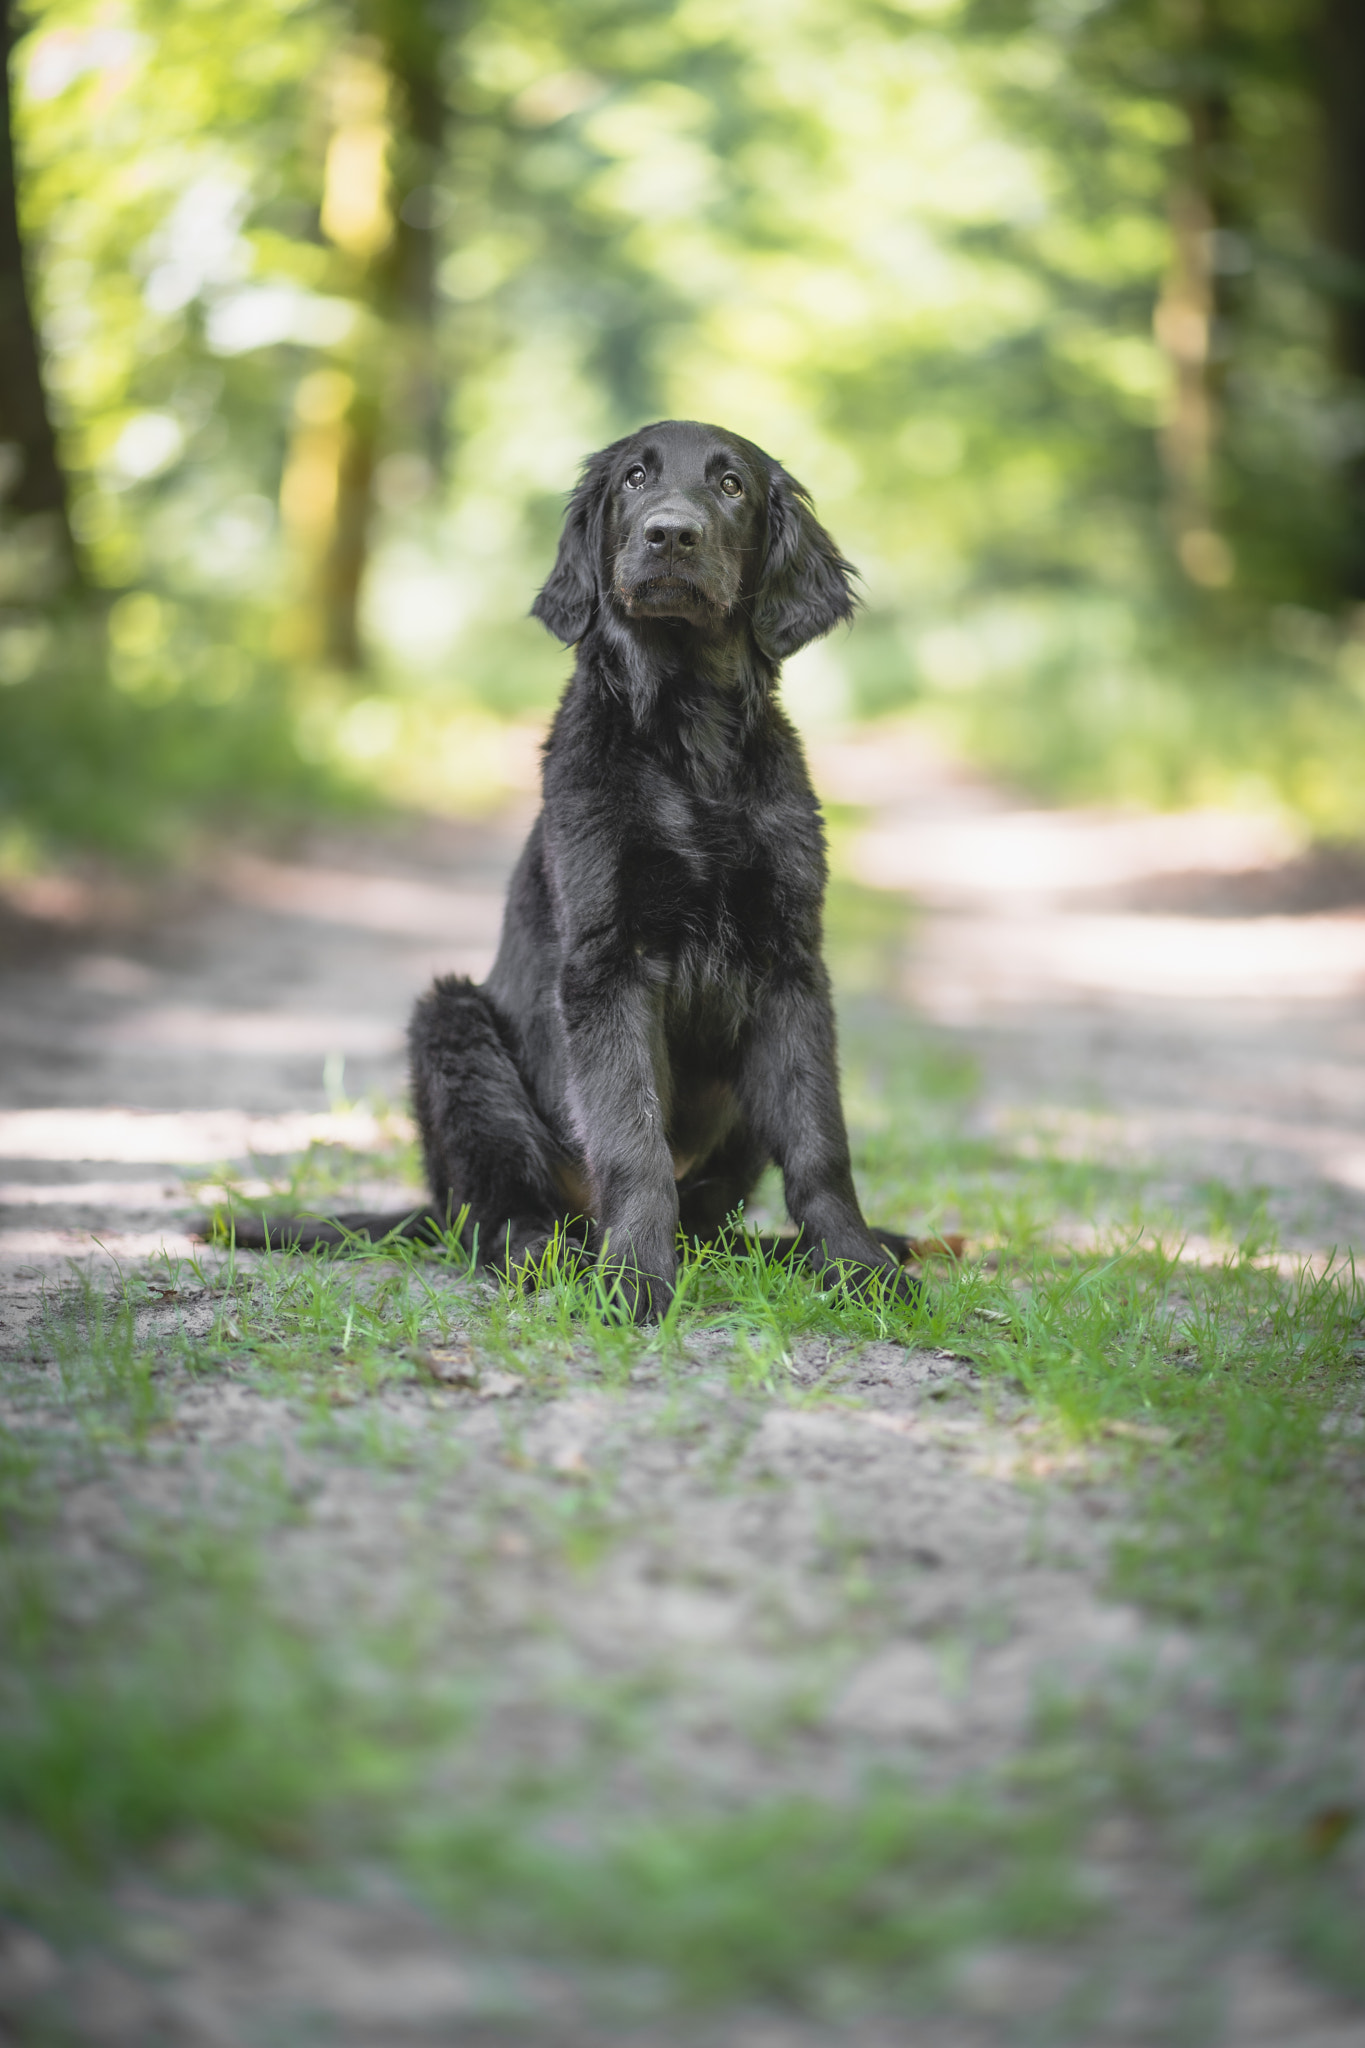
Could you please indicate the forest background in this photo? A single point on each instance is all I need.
(310, 310)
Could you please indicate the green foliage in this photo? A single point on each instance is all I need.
(148, 773)
(1080, 706)
(917, 252)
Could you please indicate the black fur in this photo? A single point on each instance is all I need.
(657, 1025)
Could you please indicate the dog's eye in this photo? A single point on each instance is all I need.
(731, 485)
(635, 478)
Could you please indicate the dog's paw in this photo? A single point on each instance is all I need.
(632, 1294)
(543, 1256)
(880, 1282)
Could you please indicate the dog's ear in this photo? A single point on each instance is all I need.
(805, 589)
(572, 590)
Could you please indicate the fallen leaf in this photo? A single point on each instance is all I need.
(1152, 1433)
(497, 1386)
(952, 1245)
(1328, 1828)
(452, 1368)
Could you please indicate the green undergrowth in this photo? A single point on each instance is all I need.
(186, 1721)
(781, 1900)
(189, 1706)
(87, 767)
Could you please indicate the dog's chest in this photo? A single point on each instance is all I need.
(722, 877)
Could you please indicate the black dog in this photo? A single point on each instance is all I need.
(657, 1025)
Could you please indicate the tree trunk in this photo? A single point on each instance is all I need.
(1185, 315)
(412, 50)
(31, 481)
(388, 112)
(1342, 102)
(343, 568)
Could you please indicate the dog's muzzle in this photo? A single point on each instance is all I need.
(668, 596)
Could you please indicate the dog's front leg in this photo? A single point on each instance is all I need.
(790, 1088)
(616, 1070)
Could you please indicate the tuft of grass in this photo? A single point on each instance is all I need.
(192, 1711)
(99, 1359)
(780, 1900)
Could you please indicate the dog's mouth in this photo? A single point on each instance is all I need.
(667, 596)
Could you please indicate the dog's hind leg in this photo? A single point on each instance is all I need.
(488, 1150)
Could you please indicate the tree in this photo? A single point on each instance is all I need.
(1341, 86)
(378, 207)
(1192, 307)
(32, 484)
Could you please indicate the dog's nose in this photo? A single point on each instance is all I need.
(671, 532)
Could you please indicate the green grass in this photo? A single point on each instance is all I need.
(188, 1708)
(185, 1720)
(780, 1900)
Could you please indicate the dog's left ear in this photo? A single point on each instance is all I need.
(572, 590)
(805, 589)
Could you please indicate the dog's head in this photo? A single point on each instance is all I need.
(685, 525)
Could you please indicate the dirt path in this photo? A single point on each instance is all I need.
(1182, 990)
(1197, 1006)
(1188, 990)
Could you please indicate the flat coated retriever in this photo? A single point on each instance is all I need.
(657, 1025)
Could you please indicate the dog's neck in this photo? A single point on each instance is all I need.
(697, 696)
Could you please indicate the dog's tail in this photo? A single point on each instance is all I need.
(255, 1231)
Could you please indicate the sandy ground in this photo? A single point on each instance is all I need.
(1184, 990)
(1187, 992)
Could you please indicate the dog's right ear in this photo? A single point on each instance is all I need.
(572, 590)
(807, 585)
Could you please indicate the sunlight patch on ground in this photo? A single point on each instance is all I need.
(196, 1029)
(107, 1194)
(120, 1246)
(965, 965)
(1061, 1132)
(468, 918)
(191, 1137)
(1187, 1248)
(1039, 853)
